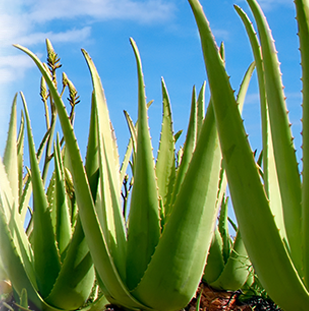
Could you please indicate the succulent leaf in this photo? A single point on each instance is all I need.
(46, 258)
(144, 221)
(250, 204)
(165, 165)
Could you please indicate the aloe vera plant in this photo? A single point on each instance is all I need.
(50, 260)
(228, 266)
(156, 259)
(272, 212)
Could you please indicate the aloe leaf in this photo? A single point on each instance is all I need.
(24, 185)
(15, 268)
(223, 226)
(104, 124)
(114, 228)
(215, 263)
(237, 268)
(11, 260)
(270, 177)
(188, 148)
(133, 141)
(303, 33)
(187, 235)
(23, 299)
(131, 145)
(15, 226)
(115, 289)
(46, 259)
(73, 286)
(284, 152)
(250, 203)
(220, 248)
(144, 223)
(9, 204)
(10, 159)
(92, 156)
(63, 221)
(201, 108)
(20, 154)
(165, 165)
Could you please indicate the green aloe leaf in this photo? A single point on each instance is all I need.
(303, 33)
(187, 235)
(165, 165)
(46, 257)
(14, 267)
(63, 221)
(132, 146)
(188, 149)
(270, 177)
(251, 205)
(76, 277)
(215, 263)
(113, 222)
(237, 268)
(20, 154)
(284, 152)
(201, 108)
(10, 159)
(115, 289)
(144, 223)
(92, 156)
(223, 226)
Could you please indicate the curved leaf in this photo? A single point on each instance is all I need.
(250, 203)
(144, 223)
(180, 257)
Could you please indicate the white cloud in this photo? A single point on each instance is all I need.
(221, 34)
(73, 35)
(29, 22)
(268, 5)
(139, 11)
(21, 19)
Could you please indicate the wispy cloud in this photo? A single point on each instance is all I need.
(139, 11)
(268, 5)
(29, 22)
(221, 34)
(22, 20)
(27, 16)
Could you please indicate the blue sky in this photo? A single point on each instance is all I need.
(167, 37)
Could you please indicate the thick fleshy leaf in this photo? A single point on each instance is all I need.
(73, 286)
(250, 203)
(63, 221)
(180, 257)
(114, 287)
(215, 262)
(92, 156)
(189, 146)
(165, 165)
(10, 159)
(270, 177)
(46, 257)
(15, 228)
(113, 227)
(237, 268)
(15, 268)
(303, 33)
(201, 108)
(283, 148)
(144, 223)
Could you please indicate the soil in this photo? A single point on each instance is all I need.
(210, 300)
(214, 300)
